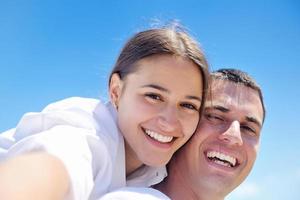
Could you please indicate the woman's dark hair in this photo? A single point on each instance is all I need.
(169, 40)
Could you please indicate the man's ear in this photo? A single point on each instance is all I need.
(115, 89)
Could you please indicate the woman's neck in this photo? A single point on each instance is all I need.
(131, 159)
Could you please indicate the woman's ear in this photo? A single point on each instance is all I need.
(115, 89)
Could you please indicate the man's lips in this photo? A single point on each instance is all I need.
(221, 158)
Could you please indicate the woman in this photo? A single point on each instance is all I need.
(81, 148)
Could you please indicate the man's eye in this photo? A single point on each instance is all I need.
(189, 106)
(153, 96)
(212, 117)
(249, 129)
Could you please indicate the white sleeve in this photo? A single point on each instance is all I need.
(130, 193)
(74, 147)
(6, 141)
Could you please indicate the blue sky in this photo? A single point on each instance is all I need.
(55, 49)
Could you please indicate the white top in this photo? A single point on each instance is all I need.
(83, 134)
(138, 193)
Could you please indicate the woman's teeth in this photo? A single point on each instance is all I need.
(159, 137)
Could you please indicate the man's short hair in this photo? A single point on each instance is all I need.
(239, 77)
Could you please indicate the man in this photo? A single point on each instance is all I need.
(222, 152)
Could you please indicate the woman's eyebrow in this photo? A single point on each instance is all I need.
(158, 87)
(194, 98)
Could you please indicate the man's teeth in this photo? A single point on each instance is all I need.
(221, 158)
(159, 137)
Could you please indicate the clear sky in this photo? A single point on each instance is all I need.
(53, 49)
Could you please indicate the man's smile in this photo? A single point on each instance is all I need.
(221, 158)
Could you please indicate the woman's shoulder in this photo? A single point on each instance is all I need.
(74, 112)
(75, 103)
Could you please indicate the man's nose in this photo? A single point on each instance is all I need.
(232, 135)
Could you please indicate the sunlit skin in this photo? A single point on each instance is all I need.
(33, 176)
(231, 125)
(162, 96)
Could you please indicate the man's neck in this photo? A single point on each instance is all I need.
(177, 186)
(175, 190)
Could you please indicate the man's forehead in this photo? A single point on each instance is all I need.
(235, 97)
(223, 90)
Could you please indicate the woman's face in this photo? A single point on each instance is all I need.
(158, 107)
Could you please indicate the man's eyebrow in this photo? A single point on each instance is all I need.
(254, 120)
(226, 110)
(220, 108)
(166, 90)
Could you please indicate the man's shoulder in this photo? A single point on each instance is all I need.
(128, 193)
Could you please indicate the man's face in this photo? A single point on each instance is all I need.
(223, 150)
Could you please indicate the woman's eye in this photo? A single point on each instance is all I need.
(189, 106)
(153, 96)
